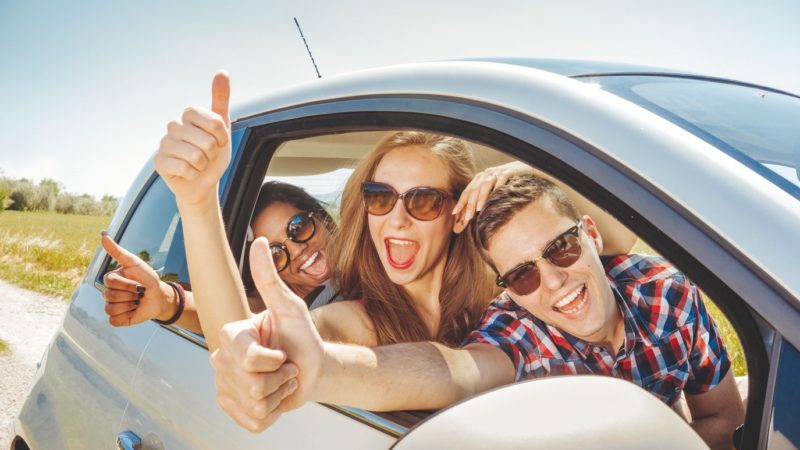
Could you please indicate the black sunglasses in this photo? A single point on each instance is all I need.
(562, 251)
(421, 203)
(300, 228)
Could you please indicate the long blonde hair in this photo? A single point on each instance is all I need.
(358, 271)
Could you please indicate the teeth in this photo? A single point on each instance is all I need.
(566, 300)
(399, 242)
(310, 261)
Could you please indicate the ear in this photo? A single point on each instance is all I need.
(593, 233)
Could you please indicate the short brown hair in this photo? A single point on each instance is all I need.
(507, 200)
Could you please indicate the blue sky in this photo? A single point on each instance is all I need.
(90, 85)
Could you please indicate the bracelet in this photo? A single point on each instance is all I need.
(181, 297)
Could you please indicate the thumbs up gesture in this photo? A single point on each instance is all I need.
(259, 358)
(134, 293)
(196, 150)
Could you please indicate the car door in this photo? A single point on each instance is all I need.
(80, 395)
(172, 396)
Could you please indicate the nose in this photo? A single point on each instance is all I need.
(553, 277)
(398, 216)
(295, 249)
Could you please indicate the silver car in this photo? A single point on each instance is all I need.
(705, 170)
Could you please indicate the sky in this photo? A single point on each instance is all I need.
(88, 86)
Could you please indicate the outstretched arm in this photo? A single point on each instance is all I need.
(192, 158)
(252, 379)
(134, 293)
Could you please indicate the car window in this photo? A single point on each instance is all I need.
(154, 233)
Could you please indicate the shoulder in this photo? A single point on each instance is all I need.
(655, 288)
(345, 321)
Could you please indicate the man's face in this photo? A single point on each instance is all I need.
(575, 299)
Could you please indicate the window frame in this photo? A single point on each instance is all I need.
(553, 151)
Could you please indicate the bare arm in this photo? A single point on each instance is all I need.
(252, 378)
(717, 413)
(422, 375)
(192, 158)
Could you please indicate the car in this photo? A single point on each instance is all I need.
(705, 170)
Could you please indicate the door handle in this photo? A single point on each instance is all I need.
(128, 440)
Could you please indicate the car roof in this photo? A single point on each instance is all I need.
(593, 116)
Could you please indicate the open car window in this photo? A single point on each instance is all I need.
(322, 164)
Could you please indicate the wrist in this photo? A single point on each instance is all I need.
(207, 203)
(181, 301)
(169, 303)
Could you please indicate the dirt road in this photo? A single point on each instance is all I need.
(27, 323)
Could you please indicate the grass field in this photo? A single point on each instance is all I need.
(47, 252)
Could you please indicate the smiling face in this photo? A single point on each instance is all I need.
(576, 299)
(413, 252)
(308, 267)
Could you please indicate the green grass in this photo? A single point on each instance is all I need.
(732, 342)
(47, 252)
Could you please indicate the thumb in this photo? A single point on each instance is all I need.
(120, 255)
(220, 95)
(276, 295)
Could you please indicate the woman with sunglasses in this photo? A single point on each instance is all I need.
(297, 224)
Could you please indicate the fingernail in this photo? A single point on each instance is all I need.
(136, 302)
(140, 294)
(292, 385)
(293, 372)
(140, 289)
(104, 233)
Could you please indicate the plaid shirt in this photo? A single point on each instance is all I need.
(671, 343)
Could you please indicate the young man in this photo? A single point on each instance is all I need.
(563, 312)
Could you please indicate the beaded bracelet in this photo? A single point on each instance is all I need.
(181, 297)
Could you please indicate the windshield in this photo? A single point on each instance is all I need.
(759, 127)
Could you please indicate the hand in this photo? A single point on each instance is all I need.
(477, 191)
(134, 293)
(255, 400)
(251, 378)
(196, 150)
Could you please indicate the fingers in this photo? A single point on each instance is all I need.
(196, 153)
(258, 415)
(120, 255)
(262, 359)
(266, 278)
(486, 188)
(220, 96)
(115, 309)
(115, 281)
(124, 319)
(171, 167)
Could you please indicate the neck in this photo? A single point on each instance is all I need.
(424, 294)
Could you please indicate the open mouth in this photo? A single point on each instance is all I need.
(573, 302)
(401, 252)
(316, 265)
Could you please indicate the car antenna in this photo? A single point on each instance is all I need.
(307, 49)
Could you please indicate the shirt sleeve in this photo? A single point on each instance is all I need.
(709, 361)
(504, 331)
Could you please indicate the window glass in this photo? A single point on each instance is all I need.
(154, 233)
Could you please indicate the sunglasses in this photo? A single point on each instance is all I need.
(562, 251)
(300, 228)
(421, 203)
